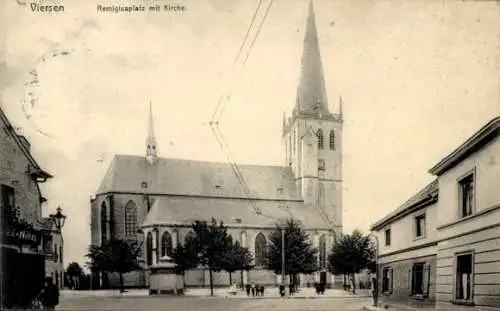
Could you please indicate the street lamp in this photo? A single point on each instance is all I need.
(59, 218)
(375, 284)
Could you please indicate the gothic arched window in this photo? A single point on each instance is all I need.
(260, 250)
(319, 134)
(166, 244)
(104, 222)
(332, 140)
(149, 249)
(130, 219)
(189, 235)
(322, 251)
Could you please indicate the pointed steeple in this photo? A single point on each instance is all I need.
(151, 148)
(311, 93)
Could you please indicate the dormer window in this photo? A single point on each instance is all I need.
(144, 184)
(218, 187)
(280, 190)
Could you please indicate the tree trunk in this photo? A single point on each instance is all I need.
(211, 282)
(354, 283)
(230, 278)
(241, 275)
(121, 283)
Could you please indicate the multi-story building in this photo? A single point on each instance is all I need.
(52, 242)
(447, 250)
(468, 226)
(23, 259)
(407, 241)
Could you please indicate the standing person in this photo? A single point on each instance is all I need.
(50, 295)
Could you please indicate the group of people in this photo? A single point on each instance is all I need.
(254, 290)
(320, 288)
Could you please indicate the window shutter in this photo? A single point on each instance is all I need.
(426, 280)
(390, 280)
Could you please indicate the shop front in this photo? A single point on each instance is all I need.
(23, 266)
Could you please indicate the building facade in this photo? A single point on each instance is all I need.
(407, 249)
(164, 196)
(52, 243)
(462, 217)
(468, 226)
(23, 259)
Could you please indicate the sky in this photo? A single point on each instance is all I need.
(417, 78)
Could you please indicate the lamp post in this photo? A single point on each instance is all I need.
(59, 219)
(283, 256)
(375, 284)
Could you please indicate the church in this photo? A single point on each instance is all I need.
(155, 200)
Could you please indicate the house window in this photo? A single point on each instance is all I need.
(387, 280)
(463, 286)
(56, 254)
(420, 226)
(467, 195)
(319, 134)
(8, 200)
(417, 284)
(47, 244)
(387, 237)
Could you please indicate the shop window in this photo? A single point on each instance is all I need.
(419, 278)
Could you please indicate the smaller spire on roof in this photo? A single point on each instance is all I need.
(284, 121)
(151, 147)
(340, 107)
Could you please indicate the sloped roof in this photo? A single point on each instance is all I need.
(487, 133)
(429, 192)
(9, 129)
(197, 178)
(169, 210)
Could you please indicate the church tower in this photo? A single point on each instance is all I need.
(151, 148)
(312, 135)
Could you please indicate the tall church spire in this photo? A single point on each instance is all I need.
(311, 93)
(151, 148)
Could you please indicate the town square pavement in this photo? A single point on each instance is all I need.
(335, 300)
